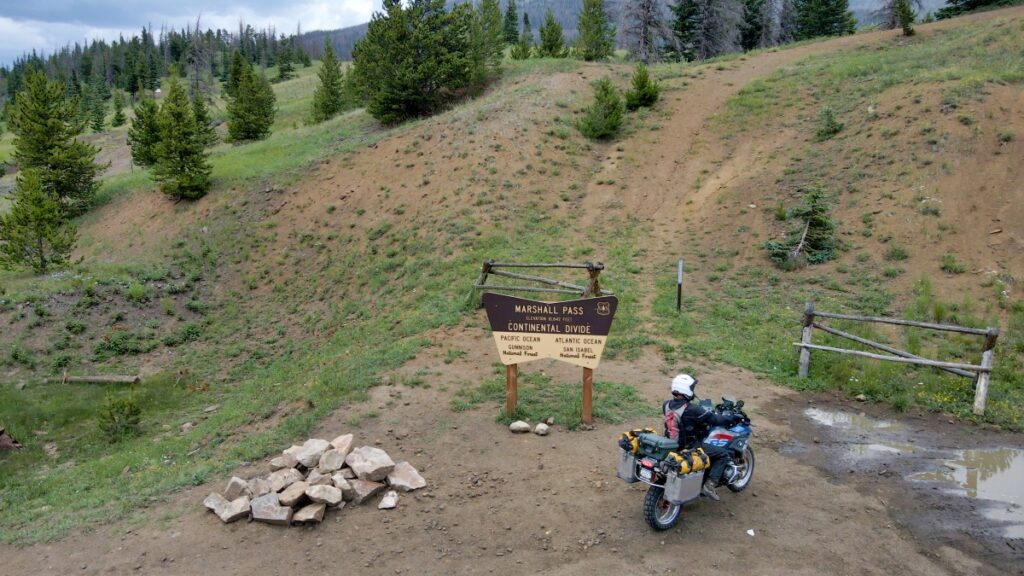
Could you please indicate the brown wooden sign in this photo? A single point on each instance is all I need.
(574, 331)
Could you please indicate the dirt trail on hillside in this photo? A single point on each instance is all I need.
(499, 503)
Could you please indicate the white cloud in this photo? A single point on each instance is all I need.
(48, 25)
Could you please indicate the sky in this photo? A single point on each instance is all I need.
(47, 25)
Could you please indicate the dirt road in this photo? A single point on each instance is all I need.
(499, 503)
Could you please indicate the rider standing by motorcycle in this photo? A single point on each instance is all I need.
(689, 422)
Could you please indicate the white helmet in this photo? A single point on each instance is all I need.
(684, 385)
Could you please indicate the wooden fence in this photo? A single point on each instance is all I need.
(981, 373)
(550, 285)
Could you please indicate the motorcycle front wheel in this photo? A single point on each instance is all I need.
(745, 471)
(660, 513)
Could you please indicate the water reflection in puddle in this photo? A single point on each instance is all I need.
(839, 419)
(996, 475)
(868, 450)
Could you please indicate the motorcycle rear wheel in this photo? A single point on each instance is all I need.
(660, 513)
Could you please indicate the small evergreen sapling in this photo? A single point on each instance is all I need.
(119, 117)
(328, 98)
(144, 133)
(602, 119)
(644, 91)
(524, 47)
(906, 16)
(828, 125)
(552, 41)
(251, 111)
(36, 232)
(182, 168)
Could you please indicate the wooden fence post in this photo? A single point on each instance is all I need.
(511, 389)
(588, 395)
(987, 360)
(805, 352)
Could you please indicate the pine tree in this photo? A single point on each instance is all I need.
(46, 125)
(596, 34)
(414, 60)
(708, 28)
(644, 91)
(491, 41)
(36, 232)
(328, 98)
(753, 24)
(602, 119)
(251, 111)
(235, 72)
(889, 13)
(97, 114)
(285, 67)
(510, 28)
(524, 47)
(552, 41)
(182, 168)
(144, 133)
(905, 15)
(818, 18)
(119, 117)
(207, 133)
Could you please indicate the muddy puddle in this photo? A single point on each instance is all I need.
(994, 477)
(840, 419)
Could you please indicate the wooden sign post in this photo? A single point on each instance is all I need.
(574, 331)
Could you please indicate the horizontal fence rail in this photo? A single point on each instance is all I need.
(980, 372)
(542, 284)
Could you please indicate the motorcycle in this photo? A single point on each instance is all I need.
(676, 478)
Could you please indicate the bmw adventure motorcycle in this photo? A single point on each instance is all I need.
(675, 476)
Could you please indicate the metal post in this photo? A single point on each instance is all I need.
(511, 389)
(679, 287)
(987, 360)
(805, 352)
(588, 395)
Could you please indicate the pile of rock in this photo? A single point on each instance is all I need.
(308, 479)
(542, 429)
(7, 442)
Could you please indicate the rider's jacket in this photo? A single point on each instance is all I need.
(689, 423)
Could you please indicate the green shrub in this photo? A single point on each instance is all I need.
(124, 343)
(896, 253)
(120, 418)
(819, 243)
(828, 125)
(138, 293)
(644, 92)
(602, 120)
(949, 264)
(75, 327)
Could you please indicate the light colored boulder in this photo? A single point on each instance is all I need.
(364, 490)
(215, 503)
(283, 478)
(369, 463)
(389, 501)
(310, 514)
(316, 477)
(312, 450)
(348, 473)
(258, 487)
(235, 510)
(519, 427)
(541, 429)
(331, 461)
(293, 494)
(405, 478)
(283, 461)
(343, 443)
(268, 509)
(342, 483)
(324, 494)
(236, 488)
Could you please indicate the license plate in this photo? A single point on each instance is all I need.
(645, 474)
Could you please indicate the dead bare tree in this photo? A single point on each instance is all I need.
(709, 28)
(789, 28)
(769, 24)
(888, 16)
(644, 29)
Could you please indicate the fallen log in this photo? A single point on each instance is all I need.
(112, 379)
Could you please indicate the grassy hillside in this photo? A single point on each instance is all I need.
(327, 256)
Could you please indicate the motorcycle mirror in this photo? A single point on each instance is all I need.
(739, 404)
(728, 400)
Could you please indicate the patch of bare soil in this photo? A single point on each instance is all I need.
(499, 503)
